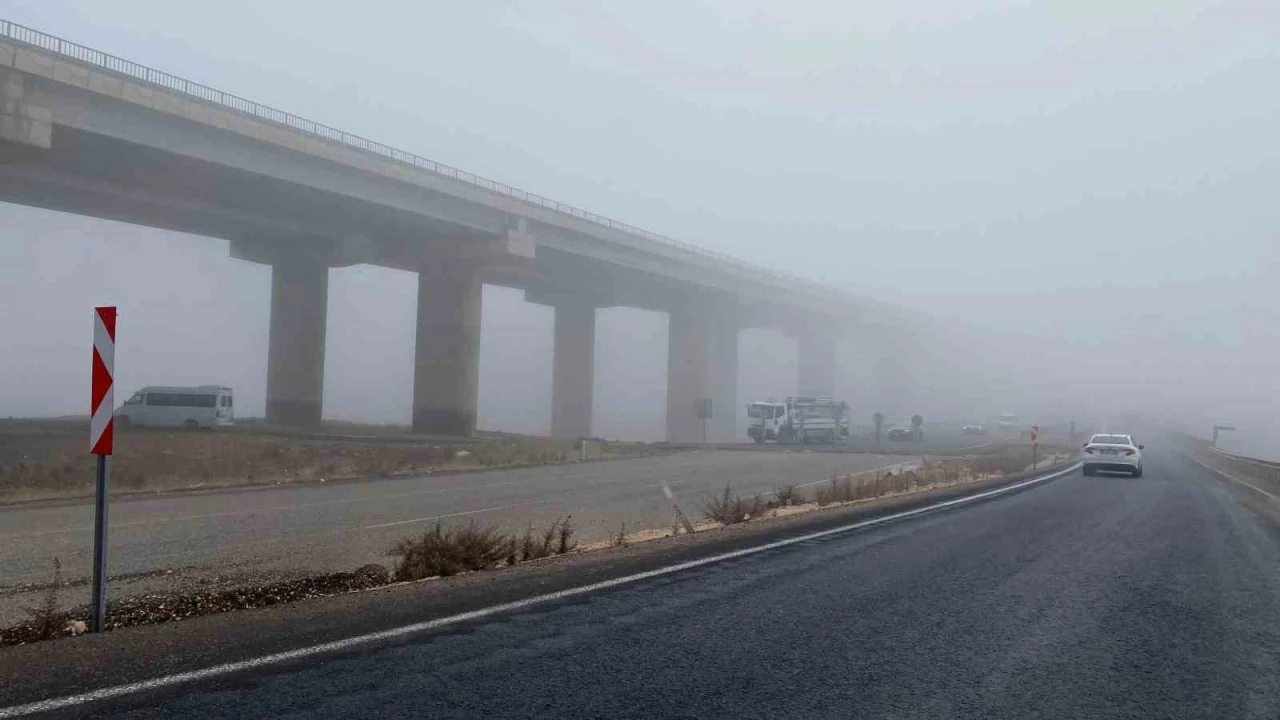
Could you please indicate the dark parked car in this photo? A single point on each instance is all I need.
(975, 429)
(900, 434)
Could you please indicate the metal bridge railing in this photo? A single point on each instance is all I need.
(97, 58)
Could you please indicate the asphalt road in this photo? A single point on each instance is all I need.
(259, 533)
(1083, 597)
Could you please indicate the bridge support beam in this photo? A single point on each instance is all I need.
(20, 121)
(295, 350)
(446, 368)
(573, 370)
(817, 364)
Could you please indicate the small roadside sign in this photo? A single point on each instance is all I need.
(1035, 443)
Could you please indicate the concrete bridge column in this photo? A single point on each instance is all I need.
(295, 350)
(890, 386)
(573, 370)
(446, 369)
(817, 364)
(690, 373)
(724, 370)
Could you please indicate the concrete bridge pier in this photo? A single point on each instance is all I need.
(702, 362)
(725, 408)
(816, 364)
(891, 389)
(446, 367)
(295, 349)
(573, 369)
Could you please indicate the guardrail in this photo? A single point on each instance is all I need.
(112, 63)
(1256, 468)
(1271, 464)
(1237, 456)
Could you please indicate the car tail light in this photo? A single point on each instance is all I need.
(1088, 449)
(1130, 451)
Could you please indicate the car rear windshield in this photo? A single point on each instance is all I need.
(1110, 439)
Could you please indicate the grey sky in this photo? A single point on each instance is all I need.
(1090, 181)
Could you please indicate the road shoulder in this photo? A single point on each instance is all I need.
(77, 665)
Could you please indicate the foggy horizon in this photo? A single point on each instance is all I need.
(1089, 195)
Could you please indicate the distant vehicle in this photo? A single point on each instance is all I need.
(901, 434)
(799, 419)
(204, 406)
(1007, 422)
(975, 429)
(1112, 451)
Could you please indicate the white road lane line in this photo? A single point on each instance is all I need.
(347, 643)
(340, 501)
(456, 514)
(18, 577)
(893, 466)
(260, 510)
(1233, 478)
(692, 473)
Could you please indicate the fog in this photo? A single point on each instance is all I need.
(1082, 192)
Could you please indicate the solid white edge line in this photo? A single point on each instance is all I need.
(463, 513)
(338, 645)
(1223, 473)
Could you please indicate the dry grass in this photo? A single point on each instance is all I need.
(564, 537)
(35, 465)
(728, 508)
(441, 551)
(444, 551)
(846, 489)
(788, 495)
(48, 619)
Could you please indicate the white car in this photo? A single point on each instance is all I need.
(1112, 451)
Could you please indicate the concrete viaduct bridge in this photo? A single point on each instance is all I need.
(89, 133)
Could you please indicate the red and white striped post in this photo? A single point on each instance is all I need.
(101, 436)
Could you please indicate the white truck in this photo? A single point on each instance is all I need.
(798, 419)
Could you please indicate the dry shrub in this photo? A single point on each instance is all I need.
(839, 490)
(555, 539)
(443, 552)
(789, 495)
(1011, 460)
(48, 619)
(565, 537)
(728, 508)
